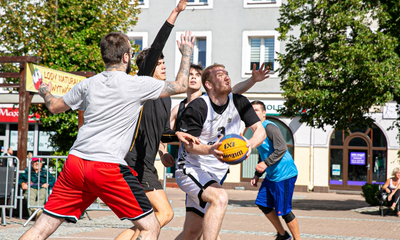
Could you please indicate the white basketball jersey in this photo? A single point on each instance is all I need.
(214, 126)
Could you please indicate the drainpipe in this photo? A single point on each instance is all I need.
(311, 182)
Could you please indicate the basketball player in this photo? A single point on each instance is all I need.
(194, 91)
(96, 165)
(276, 191)
(199, 167)
(153, 126)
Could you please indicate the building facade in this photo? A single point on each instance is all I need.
(238, 34)
(242, 32)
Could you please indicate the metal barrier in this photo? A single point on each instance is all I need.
(8, 185)
(97, 205)
(49, 170)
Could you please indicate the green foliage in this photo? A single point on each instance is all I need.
(58, 164)
(66, 35)
(369, 192)
(335, 66)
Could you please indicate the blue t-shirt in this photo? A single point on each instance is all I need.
(284, 168)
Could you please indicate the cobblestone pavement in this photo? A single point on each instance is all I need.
(320, 216)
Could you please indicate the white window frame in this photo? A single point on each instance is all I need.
(261, 4)
(145, 4)
(143, 35)
(198, 5)
(199, 34)
(246, 71)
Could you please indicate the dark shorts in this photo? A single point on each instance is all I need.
(277, 195)
(82, 181)
(148, 177)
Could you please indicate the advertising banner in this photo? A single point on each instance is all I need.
(11, 115)
(357, 158)
(61, 82)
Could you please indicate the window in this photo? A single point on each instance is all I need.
(141, 3)
(200, 52)
(201, 49)
(262, 50)
(199, 4)
(261, 3)
(139, 38)
(259, 47)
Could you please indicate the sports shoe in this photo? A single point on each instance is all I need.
(286, 236)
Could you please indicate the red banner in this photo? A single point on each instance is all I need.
(11, 115)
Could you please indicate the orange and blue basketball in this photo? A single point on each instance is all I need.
(234, 148)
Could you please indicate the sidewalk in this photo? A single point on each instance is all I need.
(320, 216)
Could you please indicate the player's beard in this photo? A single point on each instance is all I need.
(128, 68)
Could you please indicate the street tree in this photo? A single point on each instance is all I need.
(337, 66)
(66, 35)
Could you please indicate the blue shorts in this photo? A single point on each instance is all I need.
(277, 195)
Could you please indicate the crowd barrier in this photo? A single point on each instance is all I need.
(9, 176)
(14, 196)
(52, 165)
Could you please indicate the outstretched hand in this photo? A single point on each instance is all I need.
(186, 138)
(44, 89)
(186, 44)
(260, 74)
(181, 5)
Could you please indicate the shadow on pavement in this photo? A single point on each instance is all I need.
(333, 205)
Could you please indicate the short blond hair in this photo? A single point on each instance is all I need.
(395, 170)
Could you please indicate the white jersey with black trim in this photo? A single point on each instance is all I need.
(214, 126)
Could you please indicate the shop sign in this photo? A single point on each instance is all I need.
(61, 82)
(11, 115)
(335, 169)
(272, 106)
(357, 158)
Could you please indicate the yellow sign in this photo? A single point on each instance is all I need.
(61, 82)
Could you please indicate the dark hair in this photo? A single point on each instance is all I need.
(197, 67)
(259, 103)
(113, 47)
(206, 76)
(142, 55)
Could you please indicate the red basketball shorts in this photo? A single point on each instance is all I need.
(82, 181)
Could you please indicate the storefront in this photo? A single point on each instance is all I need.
(326, 159)
(38, 140)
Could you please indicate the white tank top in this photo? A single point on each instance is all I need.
(392, 186)
(229, 122)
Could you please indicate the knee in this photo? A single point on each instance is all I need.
(265, 210)
(221, 198)
(191, 233)
(168, 215)
(289, 217)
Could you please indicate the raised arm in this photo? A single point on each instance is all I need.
(180, 84)
(147, 67)
(256, 76)
(55, 105)
(179, 8)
